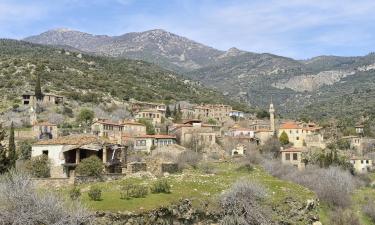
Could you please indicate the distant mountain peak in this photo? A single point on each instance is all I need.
(62, 29)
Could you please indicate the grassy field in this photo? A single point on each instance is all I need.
(195, 185)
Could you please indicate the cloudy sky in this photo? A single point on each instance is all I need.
(294, 28)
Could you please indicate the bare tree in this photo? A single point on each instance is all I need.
(22, 204)
(241, 204)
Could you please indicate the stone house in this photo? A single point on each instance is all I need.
(133, 128)
(147, 143)
(48, 99)
(107, 129)
(236, 113)
(263, 135)
(65, 153)
(293, 156)
(297, 132)
(155, 116)
(137, 106)
(237, 131)
(361, 164)
(44, 130)
(239, 150)
(194, 131)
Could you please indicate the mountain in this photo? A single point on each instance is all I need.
(88, 78)
(158, 46)
(253, 78)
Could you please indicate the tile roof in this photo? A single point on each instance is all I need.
(290, 125)
(44, 124)
(132, 123)
(79, 140)
(157, 136)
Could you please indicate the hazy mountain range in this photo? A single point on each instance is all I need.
(246, 76)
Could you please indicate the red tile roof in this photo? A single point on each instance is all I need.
(290, 125)
(74, 140)
(157, 136)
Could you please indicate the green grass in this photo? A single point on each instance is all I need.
(195, 185)
(360, 198)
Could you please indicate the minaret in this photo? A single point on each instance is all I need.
(272, 118)
(33, 116)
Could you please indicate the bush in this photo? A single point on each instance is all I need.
(95, 194)
(161, 186)
(91, 166)
(128, 191)
(38, 166)
(22, 203)
(333, 185)
(344, 217)
(207, 168)
(241, 204)
(245, 167)
(139, 191)
(75, 193)
(369, 210)
(188, 158)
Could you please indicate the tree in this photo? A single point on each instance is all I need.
(39, 166)
(284, 139)
(24, 150)
(168, 112)
(12, 155)
(272, 147)
(38, 89)
(175, 110)
(91, 166)
(86, 116)
(212, 121)
(179, 109)
(150, 129)
(3, 156)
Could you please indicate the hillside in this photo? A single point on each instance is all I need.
(249, 77)
(88, 78)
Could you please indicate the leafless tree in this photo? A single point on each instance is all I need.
(22, 204)
(241, 204)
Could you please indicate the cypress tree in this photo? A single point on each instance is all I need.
(38, 89)
(284, 139)
(175, 110)
(12, 156)
(168, 112)
(3, 156)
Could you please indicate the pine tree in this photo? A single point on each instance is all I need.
(12, 155)
(168, 112)
(3, 156)
(38, 89)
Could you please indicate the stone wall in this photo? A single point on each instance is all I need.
(52, 182)
(103, 178)
(168, 168)
(135, 167)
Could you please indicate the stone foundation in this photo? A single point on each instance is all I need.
(135, 167)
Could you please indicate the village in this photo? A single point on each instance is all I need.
(217, 132)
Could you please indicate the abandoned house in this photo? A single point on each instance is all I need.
(48, 99)
(65, 153)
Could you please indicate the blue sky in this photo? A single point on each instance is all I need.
(294, 28)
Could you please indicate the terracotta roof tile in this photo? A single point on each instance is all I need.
(74, 140)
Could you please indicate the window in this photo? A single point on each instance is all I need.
(295, 156)
(297, 138)
(366, 161)
(45, 152)
(361, 161)
(287, 156)
(141, 143)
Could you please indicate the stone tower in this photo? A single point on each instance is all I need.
(272, 118)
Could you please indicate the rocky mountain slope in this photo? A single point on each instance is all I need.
(245, 76)
(158, 46)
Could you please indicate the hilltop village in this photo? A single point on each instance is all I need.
(190, 151)
(216, 131)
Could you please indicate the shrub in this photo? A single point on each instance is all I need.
(369, 210)
(95, 194)
(245, 167)
(241, 204)
(38, 166)
(91, 166)
(284, 139)
(139, 191)
(22, 203)
(75, 193)
(207, 168)
(188, 158)
(161, 186)
(344, 217)
(333, 185)
(129, 190)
